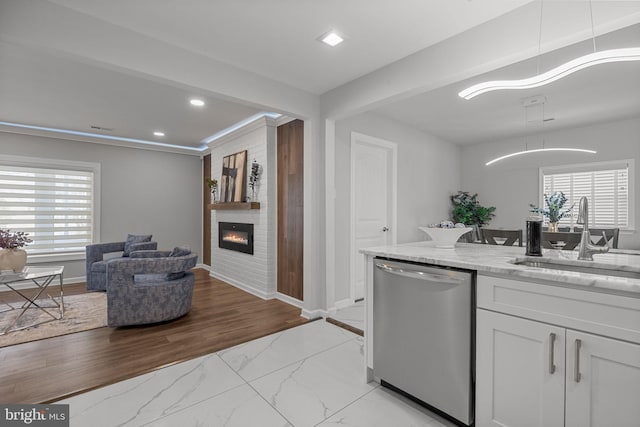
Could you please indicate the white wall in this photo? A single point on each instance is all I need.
(428, 173)
(512, 184)
(142, 191)
(255, 273)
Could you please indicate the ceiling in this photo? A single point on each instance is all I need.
(277, 40)
(46, 90)
(597, 94)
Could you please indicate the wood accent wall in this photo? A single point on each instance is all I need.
(290, 208)
(206, 211)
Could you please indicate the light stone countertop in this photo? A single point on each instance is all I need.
(498, 260)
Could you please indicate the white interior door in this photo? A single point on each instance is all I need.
(373, 163)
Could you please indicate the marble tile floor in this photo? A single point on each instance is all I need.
(311, 375)
(352, 315)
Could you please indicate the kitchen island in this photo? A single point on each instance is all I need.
(553, 347)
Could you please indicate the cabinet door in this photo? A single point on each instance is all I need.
(603, 382)
(519, 372)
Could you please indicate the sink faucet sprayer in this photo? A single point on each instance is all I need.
(586, 248)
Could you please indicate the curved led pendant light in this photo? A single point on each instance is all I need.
(602, 57)
(539, 150)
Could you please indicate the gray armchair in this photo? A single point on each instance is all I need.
(149, 287)
(96, 264)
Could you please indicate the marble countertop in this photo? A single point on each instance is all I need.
(499, 260)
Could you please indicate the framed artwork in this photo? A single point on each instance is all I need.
(234, 170)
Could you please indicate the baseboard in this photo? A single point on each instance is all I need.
(313, 314)
(289, 300)
(343, 303)
(247, 288)
(69, 280)
(204, 267)
(307, 314)
(331, 311)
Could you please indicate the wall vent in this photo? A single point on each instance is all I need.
(101, 128)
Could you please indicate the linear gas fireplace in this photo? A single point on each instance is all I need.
(236, 236)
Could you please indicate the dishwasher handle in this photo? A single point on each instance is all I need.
(421, 275)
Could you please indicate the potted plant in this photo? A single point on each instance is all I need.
(12, 256)
(254, 177)
(554, 209)
(468, 210)
(213, 187)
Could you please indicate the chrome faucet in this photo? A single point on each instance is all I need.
(586, 248)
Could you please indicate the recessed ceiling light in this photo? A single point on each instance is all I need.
(196, 102)
(331, 38)
(158, 133)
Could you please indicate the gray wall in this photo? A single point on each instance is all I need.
(142, 191)
(512, 184)
(428, 173)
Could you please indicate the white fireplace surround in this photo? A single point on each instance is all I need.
(253, 273)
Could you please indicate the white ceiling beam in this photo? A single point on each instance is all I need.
(510, 38)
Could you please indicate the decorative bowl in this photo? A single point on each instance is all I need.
(445, 238)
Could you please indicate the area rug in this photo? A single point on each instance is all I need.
(81, 313)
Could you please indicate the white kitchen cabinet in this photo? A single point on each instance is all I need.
(520, 372)
(516, 385)
(603, 382)
(596, 354)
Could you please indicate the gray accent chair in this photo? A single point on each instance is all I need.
(149, 287)
(96, 264)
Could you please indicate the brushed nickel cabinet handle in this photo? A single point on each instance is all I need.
(552, 340)
(576, 370)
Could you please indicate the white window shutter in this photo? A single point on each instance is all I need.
(606, 189)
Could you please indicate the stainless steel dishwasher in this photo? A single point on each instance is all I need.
(424, 335)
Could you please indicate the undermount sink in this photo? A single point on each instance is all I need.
(613, 270)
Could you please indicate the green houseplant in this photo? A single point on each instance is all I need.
(553, 209)
(468, 210)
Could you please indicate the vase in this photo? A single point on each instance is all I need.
(13, 259)
(553, 227)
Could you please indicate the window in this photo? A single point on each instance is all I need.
(54, 201)
(606, 185)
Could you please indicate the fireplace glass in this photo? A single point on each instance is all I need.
(236, 237)
(240, 237)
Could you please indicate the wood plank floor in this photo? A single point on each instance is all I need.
(222, 316)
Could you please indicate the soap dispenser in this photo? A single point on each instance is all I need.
(534, 236)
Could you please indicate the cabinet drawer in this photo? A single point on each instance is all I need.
(603, 314)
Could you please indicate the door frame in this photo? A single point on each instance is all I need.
(392, 149)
